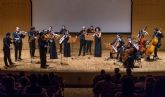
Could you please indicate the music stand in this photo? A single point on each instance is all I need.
(61, 39)
(109, 47)
(89, 37)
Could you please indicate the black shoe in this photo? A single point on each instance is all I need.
(12, 65)
(6, 66)
(20, 59)
(148, 59)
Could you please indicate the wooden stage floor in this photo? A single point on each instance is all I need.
(77, 63)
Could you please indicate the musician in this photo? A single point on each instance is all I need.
(32, 37)
(129, 43)
(159, 35)
(52, 44)
(118, 43)
(6, 50)
(43, 45)
(62, 32)
(98, 47)
(17, 36)
(81, 36)
(67, 50)
(142, 33)
(130, 53)
(89, 42)
(142, 41)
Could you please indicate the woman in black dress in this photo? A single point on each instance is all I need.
(67, 50)
(52, 44)
(52, 49)
(97, 37)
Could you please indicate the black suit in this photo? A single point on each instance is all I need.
(42, 50)
(6, 50)
(32, 43)
(119, 47)
(82, 42)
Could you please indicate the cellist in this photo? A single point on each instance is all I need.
(118, 43)
(129, 54)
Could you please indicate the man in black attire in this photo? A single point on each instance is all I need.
(159, 35)
(89, 42)
(120, 42)
(6, 50)
(18, 35)
(43, 44)
(62, 31)
(81, 35)
(32, 38)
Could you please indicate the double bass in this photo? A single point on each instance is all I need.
(142, 40)
(151, 46)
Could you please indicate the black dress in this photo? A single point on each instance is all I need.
(52, 49)
(98, 48)
(67, 51)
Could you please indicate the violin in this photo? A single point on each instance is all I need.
(97, 34)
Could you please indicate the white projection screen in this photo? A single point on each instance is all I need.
(113, 16)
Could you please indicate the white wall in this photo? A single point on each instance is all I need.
(110, 15)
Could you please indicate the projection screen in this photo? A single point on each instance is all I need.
(113, 16)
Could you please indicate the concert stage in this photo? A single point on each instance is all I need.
(81, 69)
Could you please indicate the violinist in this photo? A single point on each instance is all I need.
(98, 46)
(52, 44)
(32, 37)
(43, 45)
(6, 50)
(118, 44)
(67, 49)
(17, 36)
(81, 36)
(159, 35)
